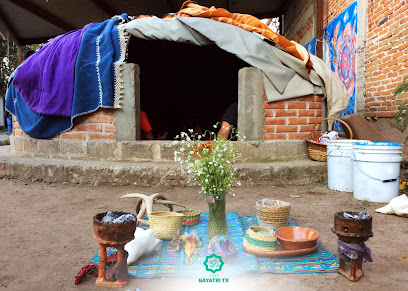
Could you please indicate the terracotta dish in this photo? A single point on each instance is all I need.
(296, 237)
(281, 252)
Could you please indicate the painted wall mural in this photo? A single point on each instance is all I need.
(340, 45)
(311, 46)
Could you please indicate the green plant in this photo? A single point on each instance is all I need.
(320, 180)
(210, 163)
(403, 188)
(346, 203)
(403, 87)
(8, 59)
(400, 119)
(364, 204)
(5, 142)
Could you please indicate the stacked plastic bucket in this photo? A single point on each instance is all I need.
(370, 170)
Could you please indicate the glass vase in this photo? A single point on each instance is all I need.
(217, 220)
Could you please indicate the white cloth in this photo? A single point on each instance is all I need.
(145, 242)
(335, 91)
(397, 205)
(285, 76)
(245, 45)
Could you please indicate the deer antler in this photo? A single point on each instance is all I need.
(142, 211)
(168, 203)
(149, 200)
(146, 203)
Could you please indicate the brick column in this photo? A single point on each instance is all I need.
(292, 118)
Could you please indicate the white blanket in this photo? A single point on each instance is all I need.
(285, 76)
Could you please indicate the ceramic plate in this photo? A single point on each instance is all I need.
(281, 252)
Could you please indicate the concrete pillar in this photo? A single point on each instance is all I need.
(127, 118)
(250, 110)
(362, 24)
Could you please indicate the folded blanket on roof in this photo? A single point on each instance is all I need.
(95, 74)
(288, 73)
(45, 81)
(45, 95)
(32, 123)
(244, 21)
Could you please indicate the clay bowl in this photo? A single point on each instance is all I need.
(113, 233)
(296, 237)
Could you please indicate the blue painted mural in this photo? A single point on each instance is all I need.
(340, 38)
(311, 46)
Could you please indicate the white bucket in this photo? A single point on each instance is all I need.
(339, 164)
(376, 170)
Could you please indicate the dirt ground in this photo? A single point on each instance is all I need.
(46, 236)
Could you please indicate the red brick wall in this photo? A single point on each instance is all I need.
(333, 8)
(17, 129)
(94, 126)
(387, 56)
(387, 51)
(293, 118)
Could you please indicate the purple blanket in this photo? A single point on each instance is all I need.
(45, 81)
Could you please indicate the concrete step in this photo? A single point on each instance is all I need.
(149, 151)
(56, 170)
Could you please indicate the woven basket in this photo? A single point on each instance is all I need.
(273, 216)
(191, 217)
(318, 151)
(258, 242)
(166, 224)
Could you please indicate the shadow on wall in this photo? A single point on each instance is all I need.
(184, 86)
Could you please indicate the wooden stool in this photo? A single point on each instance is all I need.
(114, 235)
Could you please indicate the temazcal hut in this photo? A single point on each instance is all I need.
(81, 95)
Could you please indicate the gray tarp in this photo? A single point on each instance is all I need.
(285, 76)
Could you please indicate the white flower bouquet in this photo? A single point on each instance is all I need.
(210, 163)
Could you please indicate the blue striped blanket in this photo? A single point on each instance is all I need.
(167, 262)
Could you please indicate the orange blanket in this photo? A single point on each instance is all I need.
(244, 21)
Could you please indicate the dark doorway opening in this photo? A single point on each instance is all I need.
(184, 86)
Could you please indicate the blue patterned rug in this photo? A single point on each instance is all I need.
(167, 262)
